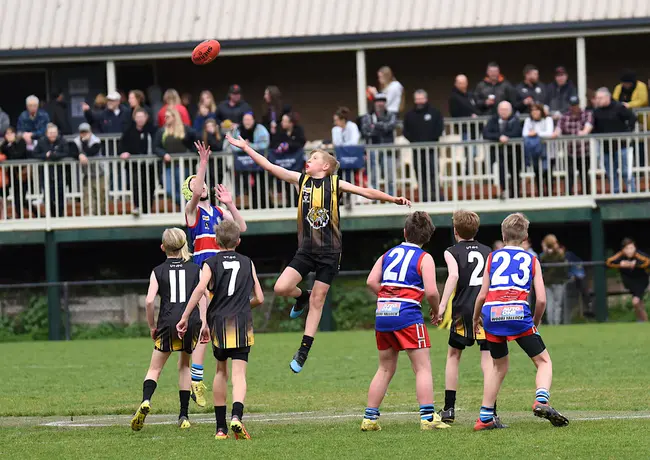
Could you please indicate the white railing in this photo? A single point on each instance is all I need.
(143, 190)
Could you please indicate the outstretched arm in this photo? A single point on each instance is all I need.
(450, 284)
(372, 194)
(258, 293)
(199, 182)
(283, 174)
(225, 197)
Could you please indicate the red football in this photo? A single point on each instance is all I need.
(206, 52)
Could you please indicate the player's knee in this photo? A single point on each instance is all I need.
(542, 359)
(317, 300)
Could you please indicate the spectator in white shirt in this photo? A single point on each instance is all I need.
(537, 126)
(391, 88)
(344, 132)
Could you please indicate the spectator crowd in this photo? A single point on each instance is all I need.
(165, 127)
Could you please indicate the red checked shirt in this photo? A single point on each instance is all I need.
(571, 125)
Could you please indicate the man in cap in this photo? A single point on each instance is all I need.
(234, 107)
(559, 92)
(115, 118)
(86, 145)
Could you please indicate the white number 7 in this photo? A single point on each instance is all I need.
(234, 266)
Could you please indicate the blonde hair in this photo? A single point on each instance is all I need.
(514, 228)
(212, 104)
(178, 128)
(329, 158)
(171, 97)
(387, 72)
(174, 243)
(227, 233)
(466, 223)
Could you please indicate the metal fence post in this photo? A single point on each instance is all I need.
(53, 290)
(598, 253)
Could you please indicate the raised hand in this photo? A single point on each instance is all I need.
(223, 194)
(240, 143)
(203, 149)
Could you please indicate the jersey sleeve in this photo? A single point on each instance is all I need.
(615, 260)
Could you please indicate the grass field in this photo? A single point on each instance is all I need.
(73, 400)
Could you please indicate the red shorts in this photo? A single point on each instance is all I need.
(509, 338)
(413, 337)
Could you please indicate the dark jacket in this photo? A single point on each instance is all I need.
(58, 112)
(502, 90)
(268, 117)
(150, 126)
(282, 142)
(91, 147)
(15, 150)
(378, 129)
(423, 124)
(137, 142)
(59, 149)
(554, 275)
(36, 125)
(615, 118)
(557, 97)
(511, 128)
(524, 90)
(216, 145)
(226, 112)
(106, 121)
(199, 121)
(462, 104)
(5, 122)
(160, 144)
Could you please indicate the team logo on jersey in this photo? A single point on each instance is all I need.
(306, 195)
(507, 313)
(318, 217)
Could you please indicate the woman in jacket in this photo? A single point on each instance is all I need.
(537, 127)
(14, 148)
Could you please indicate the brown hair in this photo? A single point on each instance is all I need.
(205, 131)
(212, 105)
(276, 101)
(540, 107)
(418, 228)
(343, 113)
(627, 241)
(100, 100)
(139, 96)
(227, 233)
(171, 97)
(514, 228)
(329, 158)
(466, 223)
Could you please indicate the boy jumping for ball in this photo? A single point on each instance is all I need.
(231, 277)
(401, 278)
(502, 310)
(319, 234)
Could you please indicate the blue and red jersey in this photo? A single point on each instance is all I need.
(506, 311)
(204, 240)
(402, 288)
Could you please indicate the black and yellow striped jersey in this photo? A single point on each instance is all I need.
(319, 225)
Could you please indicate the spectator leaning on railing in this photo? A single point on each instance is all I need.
(173, 138)
(345, 131)
(87, 145)
(493, 90)
(378, 127)
(633, 94)
(613, 117)
(530, 91)
(137, 101)
(32, 123)
(14, 148)
(52, 148)
(537, 127)
(424, 123)
(234, 107)
(138, 140)
(559, 93)
(501, 128)
(577, 122)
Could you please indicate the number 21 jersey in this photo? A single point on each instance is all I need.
(506, 310)
(402, 288)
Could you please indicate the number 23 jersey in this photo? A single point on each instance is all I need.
(506, 310)
(402, 288)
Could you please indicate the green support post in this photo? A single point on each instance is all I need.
(327, 320)
(598, 254)
(53, 292)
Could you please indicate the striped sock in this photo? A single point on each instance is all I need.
(372, 413)
(426, 412)
(197, 372)
(542, 395)
(487, 414)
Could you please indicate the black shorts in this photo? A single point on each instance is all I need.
(222, 354)
(532, 344)
(326, 266)
(636, 286)
(459, 342)
(167, 339)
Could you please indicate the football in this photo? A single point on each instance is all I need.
(206, 52)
